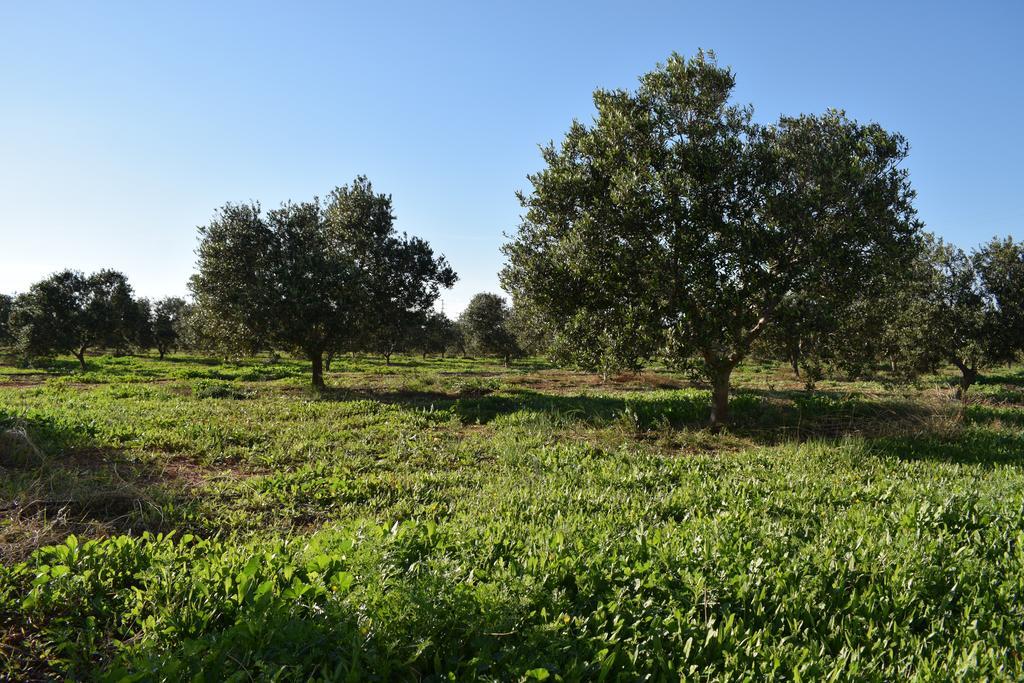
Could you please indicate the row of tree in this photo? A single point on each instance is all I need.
(316, 278)
(671, 228)
(70, 312)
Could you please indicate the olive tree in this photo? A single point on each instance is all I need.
(436, 334)
(485, 323)
(168, 318)
(69, 312)
(1000, 265)
(403, 278)
(674, 224)
(312, 277)
(963, 312)
(138, 329)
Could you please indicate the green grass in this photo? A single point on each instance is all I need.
(454, 520)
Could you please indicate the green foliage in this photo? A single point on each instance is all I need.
(674, 223)
(486, 325)
(314, 277)
(436, 334)
(6, 304)
(213, 388)
(456, 520)
(958, 308)
(169, 316)
(1000, 265)
(69, 312)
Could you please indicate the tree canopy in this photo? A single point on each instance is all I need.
(485, 323)
(674, 224)
(962, 309)
(168, 320)
(312, 277)
(69, 312)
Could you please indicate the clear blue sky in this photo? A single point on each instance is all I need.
(124, 125)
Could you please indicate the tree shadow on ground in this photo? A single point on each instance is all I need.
(55, 480)
(765, 417)
(968, 447)
(981, 414)
(1004, 376)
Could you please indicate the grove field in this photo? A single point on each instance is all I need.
(459, 520)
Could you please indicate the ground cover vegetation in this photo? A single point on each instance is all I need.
(741, 417)
(459, 518)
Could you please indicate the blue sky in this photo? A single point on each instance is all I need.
(123, 126)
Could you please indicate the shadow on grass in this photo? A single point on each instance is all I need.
(981, 414)
(55, 480)
(1011, 376)
(969, 447)
(765, 417)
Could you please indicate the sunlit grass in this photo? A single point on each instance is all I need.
(453, 518)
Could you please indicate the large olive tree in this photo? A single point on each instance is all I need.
(674, 223)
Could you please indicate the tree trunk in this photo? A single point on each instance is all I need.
(329, 359)
(794, 362)
(317, 357)
(719, 399)
(968, 376)
(160, 350)
(80, 355)
(387, 358)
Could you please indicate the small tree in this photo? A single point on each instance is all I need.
(168, 319)
(674, 224)
(485, 322)
(71, 313)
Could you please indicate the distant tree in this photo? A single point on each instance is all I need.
(673, 224)
(1000, 264)
(957, 319)
(852, 336)
(168, 318)
(436, 334)
(313, 277)
(70, 313)
(138, 330)
(800, 322)
(6, 304)
(485, 322)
